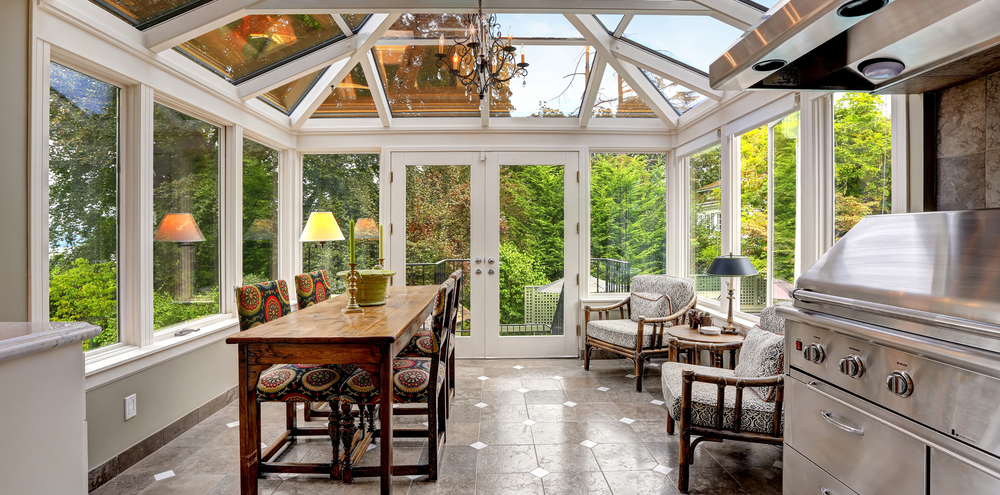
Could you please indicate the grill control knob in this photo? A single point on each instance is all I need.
(899, 383)
(852, 366)
(814, 353)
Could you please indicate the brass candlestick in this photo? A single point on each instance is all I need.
(352, 289)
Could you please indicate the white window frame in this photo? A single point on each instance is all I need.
(705, 142)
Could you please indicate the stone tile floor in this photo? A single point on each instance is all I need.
(518, 426)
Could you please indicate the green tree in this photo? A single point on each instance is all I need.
(260, 212)
(862, 153)
(706, 196)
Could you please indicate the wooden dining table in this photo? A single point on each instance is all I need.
(322, 334)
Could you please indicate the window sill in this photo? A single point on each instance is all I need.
(122, 362)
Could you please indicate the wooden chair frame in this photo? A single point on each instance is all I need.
(692, 352)
(718, 433)
(638, 355)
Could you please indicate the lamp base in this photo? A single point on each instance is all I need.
(352, 289)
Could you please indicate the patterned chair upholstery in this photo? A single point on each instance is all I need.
(312, 288)
(665, 300)
(416, 380)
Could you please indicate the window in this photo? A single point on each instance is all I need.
(679, 97)
(83, 202)
(705, 224)
(627, 218)
(768, 191)
(146, 13)
(186, 211)
(351, 98)
(555, 88)
(862, 158)
(287, 96)
(348, 186)
(416, 87)
(616, 98)
(694, 40)
(260, 212)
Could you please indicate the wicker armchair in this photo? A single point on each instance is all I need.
(637, 336)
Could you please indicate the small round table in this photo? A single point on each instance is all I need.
(692, 342)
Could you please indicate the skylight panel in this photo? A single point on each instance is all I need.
(609, 21)
(536, 26)
(679, 97)
(416, 87)
(286, 97)
(351, 98)
(691, 39)
(246, 47)
(355, 21)
(557, 78)
(146, 13)
(617, 99)
(427, 26)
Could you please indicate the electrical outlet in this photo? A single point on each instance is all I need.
(130, 409)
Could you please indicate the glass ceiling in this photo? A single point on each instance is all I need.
(557, 78)
(416, 87)
(244, 48)
(287, 96)
(427, 26)
(609, 21)
(536, 26)
(351, 98)
(695, 40)
(616, 98)
(145, 13)
(679, 97)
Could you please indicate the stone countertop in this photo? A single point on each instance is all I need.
(21, 339)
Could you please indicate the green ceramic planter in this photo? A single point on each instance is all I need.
(372, 285)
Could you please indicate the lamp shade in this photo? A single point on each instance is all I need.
(262, 229)
(731, 266)
(178, 227)
(321, 227)
(366, 228)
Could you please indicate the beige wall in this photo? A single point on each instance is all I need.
(14, 24)
(164, 394)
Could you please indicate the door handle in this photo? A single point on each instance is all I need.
(492, 271)
(491, 260)
(479, 271)
(479, 260)
(850, 429)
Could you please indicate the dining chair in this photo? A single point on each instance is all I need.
(312, 288)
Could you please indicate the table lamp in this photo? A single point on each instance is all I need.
(731, 266)
(321, 227)
(182, 229)
(368, 230)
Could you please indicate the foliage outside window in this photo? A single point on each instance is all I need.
(862, 158)
(83, 202)
(348, 186)
(260, 212)
(627, 218)
(186, 212)
(705, 224)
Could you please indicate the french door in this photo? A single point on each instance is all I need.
(509, 221)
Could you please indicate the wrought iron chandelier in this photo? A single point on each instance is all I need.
(481, 60)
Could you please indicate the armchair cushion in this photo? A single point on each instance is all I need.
(762, 354)
(621, 332)
(757, 416)
(770, 321)
(648, 305)
(679, 290)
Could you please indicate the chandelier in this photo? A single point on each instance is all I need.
(481, 60)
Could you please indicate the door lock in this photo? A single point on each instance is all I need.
(479, 260)
(479, 271)
(491, 260)
(492, 271)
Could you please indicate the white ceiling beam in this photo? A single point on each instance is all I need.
(680, 74)
(366, 38)
(591, 29)
(733, 12)
(342, 24)
(484, 109)
(593, 86)
(193, 23)
(677, 7)
(620, 29)
(388, 41)
(377, 89)
(316, 60)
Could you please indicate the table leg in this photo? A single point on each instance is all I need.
(249, 433)
(385, 419)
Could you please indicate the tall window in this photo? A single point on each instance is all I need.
(83, 202)
(348, 186)
(186, 212)
(260, 212)
(627, 218)
(862, 158)
(705, 224)
(768, 162)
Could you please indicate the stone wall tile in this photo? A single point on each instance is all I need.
(961, 124)
(961, 182)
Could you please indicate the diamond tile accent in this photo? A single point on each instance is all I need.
(603, 389)
(483, 378)
(630, 375)
(370, 447)
(519, 367)
(657, 402)
(627, 421)
(778, 464)
(234, 424)
(170, 474)
(529, 422)
(569, 403)
(589, 444)
(523, 390)
(413, 476)
(557, 377)
(478, 445)
(539, 472)
(481, 405)
(655, 365)
(660, 468)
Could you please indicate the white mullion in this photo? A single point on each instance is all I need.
(484, 109)
(342, 24)
(135, 270)
(730, 208)
(231, 216)
(289, 215)
(678, 238)
(181, 28)
(816, 196)
(377, 89)
(900, 154)
(769, 276)
(622, 25)
(38, 297)
(593, 87)
(735, 13)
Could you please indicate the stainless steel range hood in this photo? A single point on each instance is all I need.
(820, 44)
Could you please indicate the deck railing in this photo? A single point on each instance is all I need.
(613, 276)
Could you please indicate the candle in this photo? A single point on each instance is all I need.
(508, 39)
(441, 44)
(351, 227)
(522, 54)
(380, 242)
(454, 60)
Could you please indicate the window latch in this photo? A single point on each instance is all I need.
(181, 333)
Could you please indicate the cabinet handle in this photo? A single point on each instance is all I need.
(850, 429)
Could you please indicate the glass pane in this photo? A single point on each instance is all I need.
(437, 229)
(416, 87)
(695, 40)
(609, 21)
(536, 26)
(532, 277)
(145, 13)
(616, 98)
(351, 98)
(348, 186)
(627, 218)
(862, 158)
(679, 97)
(753, 217)
(786, 141)
(83, 202)
(427, 26)
(355, 21)
(260, 212)
(557, 78)
(186, 212)
(244, 48)
(705, 208)
(286, 97)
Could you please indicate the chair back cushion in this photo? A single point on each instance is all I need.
(442, 312)
(680, 290)
(762, 354)
(770, 321)
(648, 305)
(458, 276)
(261, 303)
(312, 288)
